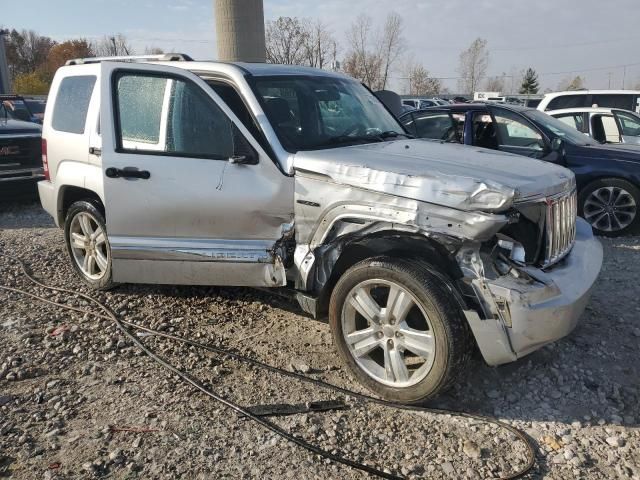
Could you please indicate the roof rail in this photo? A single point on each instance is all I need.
(163, 57)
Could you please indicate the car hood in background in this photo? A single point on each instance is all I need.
(18, 127)
(461, 177)
(612, 151)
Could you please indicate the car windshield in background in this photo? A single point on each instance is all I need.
(311, 113)
(559, 129)
(36, 106)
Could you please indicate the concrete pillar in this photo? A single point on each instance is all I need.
(5, 86)
(240, 30)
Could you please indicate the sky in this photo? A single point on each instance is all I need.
(558, 38)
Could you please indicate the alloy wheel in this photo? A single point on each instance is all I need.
(388, 333)
(610, 209)
(89, 245)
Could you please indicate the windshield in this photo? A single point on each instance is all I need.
(558, 128)
(36, 106)
(311, 113)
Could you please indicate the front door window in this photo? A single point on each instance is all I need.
(514, 133)
(170, 116)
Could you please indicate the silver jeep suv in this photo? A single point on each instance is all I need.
(203, 173)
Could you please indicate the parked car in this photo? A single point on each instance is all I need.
(622, 99)
(605, 125)
(532, 102)
(420, 102)
(20, 156)
(407, 108)
(16, 107)
(608, 176)
(297, 178)
(36, 107)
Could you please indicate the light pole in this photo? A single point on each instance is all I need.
(240, 30)
(5, 85)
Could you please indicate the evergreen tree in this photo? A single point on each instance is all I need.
(530, 82)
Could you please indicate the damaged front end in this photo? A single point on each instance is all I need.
(518, 265)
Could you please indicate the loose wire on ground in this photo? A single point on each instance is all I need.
(123, 324)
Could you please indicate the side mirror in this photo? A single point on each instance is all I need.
(243, 152)
(557, 144)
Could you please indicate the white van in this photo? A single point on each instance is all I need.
(622, 99)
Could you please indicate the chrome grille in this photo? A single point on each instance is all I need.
(560, 227)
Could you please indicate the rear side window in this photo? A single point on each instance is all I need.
(72, 103)
(614, 101)
(574, 120)
(630, 124)
(568, 101)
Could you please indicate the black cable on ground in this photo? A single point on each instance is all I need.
(109, 315)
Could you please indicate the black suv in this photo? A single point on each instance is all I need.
(607, 176)
(20, 156)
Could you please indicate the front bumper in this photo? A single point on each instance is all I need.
(538, 312)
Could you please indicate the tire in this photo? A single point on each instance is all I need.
(431, 365)
(611, 206)
(96, 272)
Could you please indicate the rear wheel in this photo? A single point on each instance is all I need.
(88, 245)
(610, 205)
(398, 330)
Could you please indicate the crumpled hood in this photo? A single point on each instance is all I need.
(461, 177)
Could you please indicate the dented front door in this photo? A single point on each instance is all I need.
(177, 210)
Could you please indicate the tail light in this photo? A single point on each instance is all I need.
(45, 160)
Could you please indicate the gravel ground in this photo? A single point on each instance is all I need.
(77, 400)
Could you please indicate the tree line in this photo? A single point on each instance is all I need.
(373, 53)
(33, 59)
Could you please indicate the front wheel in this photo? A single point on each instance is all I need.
(85, 234)
(398, 329)
(610, 205)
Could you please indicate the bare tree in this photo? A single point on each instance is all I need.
(494, 84)
(473, 65)
(285, 41)
(576, 83)
(359, 62)
(113, 46)
(153, 51)
(320, 47)
(420, 82)
(391, 45)
(372, 54)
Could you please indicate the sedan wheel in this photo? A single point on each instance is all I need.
(610, 209)
(610, 205)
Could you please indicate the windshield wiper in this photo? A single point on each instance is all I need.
(394, 134)
(352, 139)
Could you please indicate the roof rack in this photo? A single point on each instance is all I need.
(164, 57)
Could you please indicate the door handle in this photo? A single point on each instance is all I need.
(127, 172)
(95, 151)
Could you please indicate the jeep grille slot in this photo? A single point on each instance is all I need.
(560, 227)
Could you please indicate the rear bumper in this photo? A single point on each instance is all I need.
(541, 311)
(19, 183)
(47, 193)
